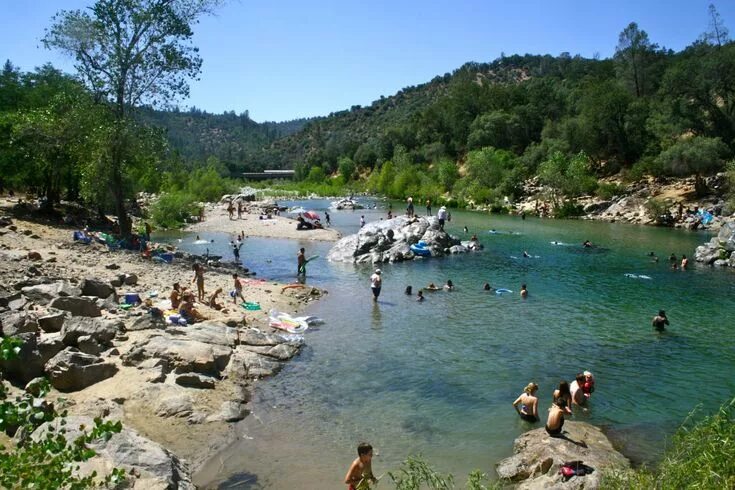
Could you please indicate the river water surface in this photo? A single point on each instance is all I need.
(438, 377)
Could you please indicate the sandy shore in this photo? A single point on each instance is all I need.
(217, 219)
(128, 396)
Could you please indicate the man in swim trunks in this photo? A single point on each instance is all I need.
(376, 282)
(361, 468)
(660, 321)
(575, 388)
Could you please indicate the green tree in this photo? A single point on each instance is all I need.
(718, 34)
(317, 175)
(697, 155)
(346, 168)
(567, 177)
(633, 54)
(130, 52)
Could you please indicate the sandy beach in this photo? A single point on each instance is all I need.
(217, 219)
(154, 408)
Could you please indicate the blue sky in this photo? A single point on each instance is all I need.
(287, 59)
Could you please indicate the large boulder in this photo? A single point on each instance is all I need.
(195, 380)
(538, 458)
(71, 370)
(77, 306)
(97, 288)
(43, 294)
(726, 236)
(390, 241)
(180, 353)
(245, 364)
(281, 352)
(52, 320)
(102, 331)
(28, 364)
(153, 466)
(13, 323)
(208, 332)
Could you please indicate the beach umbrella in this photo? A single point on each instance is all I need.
(310, 215)
(297, 210)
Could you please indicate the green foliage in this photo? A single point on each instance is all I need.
(415, 472)
(657, 209)
(50, 460)
(695, 155)
(172, 209)
(608, 191)
(347, 168)
(567, 176)
(702, 455)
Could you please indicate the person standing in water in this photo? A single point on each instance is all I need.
(428, 207)
(327, 218)
(524, 291)
(684, 262)
(528, 402)
(301, 262)
(362, 221)
(376, 282)
(660, 321)
(361, 469)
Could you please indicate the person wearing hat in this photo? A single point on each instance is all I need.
(660, 321)
(376, 282)
(442, 215)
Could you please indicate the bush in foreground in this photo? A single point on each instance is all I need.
(702, 455)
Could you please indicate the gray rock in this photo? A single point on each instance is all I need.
(33, 281)
(8, 297)
(252, 336)
(48, 346)
(538, 457)
(726, 236)
(182, 354)
(71, 370)
(17, 303)
(96, 288)
(178, 405)
(13, 323)
(154, 466)
(390, 240)
(112, 267)
(231, 411)
(245, 365)
(43, 294)
(209, 332)
(130, 279)
(52, 321)
(281, 352)
(117, 282)
(88, 345)
(195, 380)
(77, 306)
(102, 331)
(720, 263)
(145, 322)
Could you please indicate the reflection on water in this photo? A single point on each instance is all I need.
(439, 377)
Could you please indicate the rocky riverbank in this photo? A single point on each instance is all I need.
(176, 389)
(538, 458)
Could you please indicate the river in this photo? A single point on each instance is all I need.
(438, 377)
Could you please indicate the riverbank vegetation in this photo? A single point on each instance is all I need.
(701, 455)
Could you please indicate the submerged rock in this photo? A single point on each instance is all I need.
(538, 458)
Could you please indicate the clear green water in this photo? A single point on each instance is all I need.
(439, 377)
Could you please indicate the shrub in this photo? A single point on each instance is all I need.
(608, 191)
(702, 455)
(173, 209)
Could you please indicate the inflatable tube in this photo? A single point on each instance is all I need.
(421, 251)
(502, 290)
(284, 321)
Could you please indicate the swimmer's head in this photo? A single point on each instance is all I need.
(531, 388)
(661, 313)
(579, 378)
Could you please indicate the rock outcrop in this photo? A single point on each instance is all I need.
(72, 370)
(147, 464)
(720, 250)
(538, 458)
(391, 240)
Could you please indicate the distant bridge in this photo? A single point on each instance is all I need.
(269, 174)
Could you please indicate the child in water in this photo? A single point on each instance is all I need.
(420, 296)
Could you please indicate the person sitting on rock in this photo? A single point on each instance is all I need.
(187, 310)
(175, 296)
(212, 301)
(528, 402)
(563, 392)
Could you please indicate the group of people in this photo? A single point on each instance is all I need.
(184, 300)
(567, 395)
(240, 208)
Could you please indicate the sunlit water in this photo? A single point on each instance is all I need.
(438, 377)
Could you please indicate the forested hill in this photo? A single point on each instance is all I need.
(422, 117)
(237, 141)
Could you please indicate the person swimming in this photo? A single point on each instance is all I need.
(449, 286)
(431, 287)
(420, 296)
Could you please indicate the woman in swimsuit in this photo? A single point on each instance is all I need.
(555, 422)
(528, 402)
(564, 393)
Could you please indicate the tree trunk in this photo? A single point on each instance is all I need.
(116, 184)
